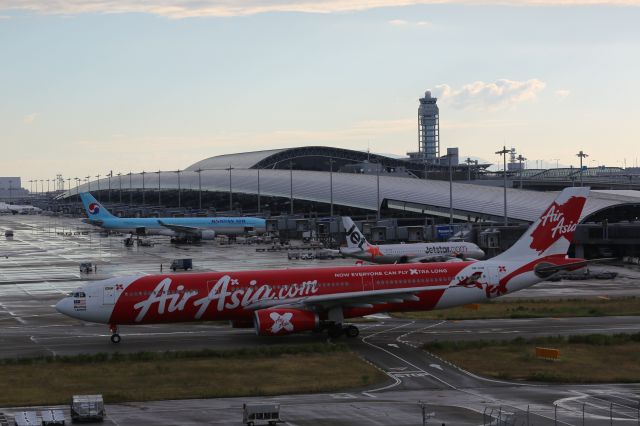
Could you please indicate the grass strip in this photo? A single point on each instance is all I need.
(536, 308)
(591, 358)
(144, 376)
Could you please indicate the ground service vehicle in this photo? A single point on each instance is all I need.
(52, 418)
(86, 267)
(8, 233)
(285, 301)
(261, 414)
(185, 264)
(26, 418)
(87, 408)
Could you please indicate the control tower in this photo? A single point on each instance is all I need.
(429, 128)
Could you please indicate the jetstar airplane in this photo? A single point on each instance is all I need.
(359, 248)
(192, 228)
(285, 301)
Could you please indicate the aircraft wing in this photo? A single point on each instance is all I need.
(180, 228)
(356, 299)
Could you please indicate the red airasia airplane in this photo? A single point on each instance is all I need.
(284, 301)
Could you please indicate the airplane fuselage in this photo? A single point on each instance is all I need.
(403, 253)
(221, 225)
(236, 295)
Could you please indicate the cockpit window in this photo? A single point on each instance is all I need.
(78, 294)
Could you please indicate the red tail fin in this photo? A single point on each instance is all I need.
(553, 232)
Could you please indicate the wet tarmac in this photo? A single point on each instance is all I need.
(42, 266)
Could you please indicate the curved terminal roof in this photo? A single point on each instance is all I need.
(360, 191)
(242, 160)
(279, 158)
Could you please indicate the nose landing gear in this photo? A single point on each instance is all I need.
(115, 337)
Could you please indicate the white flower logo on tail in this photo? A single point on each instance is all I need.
(281, 322)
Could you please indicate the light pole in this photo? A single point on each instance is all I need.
(41, 186)
(110, 175)
(199, 171)
(230, 188)
(291, 186)
(77, 179)
(449, 156)
(88, 183)
(378, 190)
(331, 184)
(98, 176)
(521, 159)
(68, 184)
(258, 189)
(469, 162)
(504, 153)
(48, 187)
(130, 189)
(581, 155)
(179, 190)
(120, 184)
(159, 190)
(143, 173)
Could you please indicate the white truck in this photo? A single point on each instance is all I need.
(87, 408)
(261, 414)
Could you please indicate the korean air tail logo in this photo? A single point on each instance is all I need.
(94, 208)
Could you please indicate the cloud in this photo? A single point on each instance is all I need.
(562, 93)
(178, 9)
(29, 118)
(480, 95)
(450, 124)
(402, 22)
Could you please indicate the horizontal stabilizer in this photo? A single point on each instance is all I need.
(546, 269)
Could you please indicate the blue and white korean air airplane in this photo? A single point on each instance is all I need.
(195, 228)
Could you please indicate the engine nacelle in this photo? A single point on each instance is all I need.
(207, 234)
(277, 322)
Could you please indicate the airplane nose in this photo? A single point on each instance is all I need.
(64, 306)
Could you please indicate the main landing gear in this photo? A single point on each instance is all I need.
(338, 330)
(115, 337)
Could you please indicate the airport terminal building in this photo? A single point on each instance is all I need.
(324, 182)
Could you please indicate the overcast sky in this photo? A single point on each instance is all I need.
(93, 86)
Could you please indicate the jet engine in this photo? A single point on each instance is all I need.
(207, 234)
(277, 322)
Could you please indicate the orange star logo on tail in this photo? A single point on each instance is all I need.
(374, 251)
